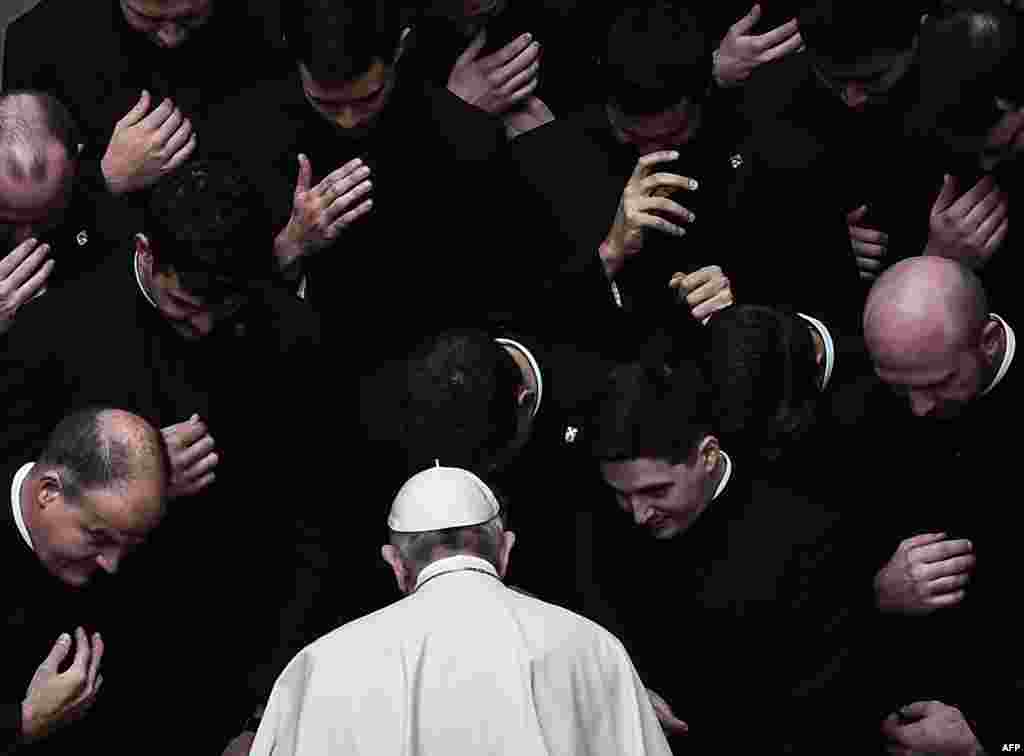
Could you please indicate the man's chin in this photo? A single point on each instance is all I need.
(76, 577)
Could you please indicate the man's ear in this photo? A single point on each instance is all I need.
(144, 249)
(992, 338)
(708, 454)
(49, 491)
(392, 557)
(508, 540)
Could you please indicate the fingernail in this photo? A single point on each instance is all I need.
(64, 638)
(673, 155)
(693, 184)
(527, 37)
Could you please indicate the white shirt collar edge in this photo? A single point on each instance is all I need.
(136, 265)
(830, 347)
(534, 366)
(19, 519)
(725, 478)
(1011, 349)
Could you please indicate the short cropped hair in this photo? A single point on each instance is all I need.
(968, 59)
(207, 222)
(91, 459)
(656, 56)
(54, 120)
(761, 363)
(460, 400)
(338, 41)
(652, 412)
(417, 550)
(848, 31)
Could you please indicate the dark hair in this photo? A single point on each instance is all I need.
(207, 222)
(651, 412)
(56, 120)
(848, 31)
(968, 59)
(91, 457)
(655, 56)
(460, 400)
(338, 40)
(765, 378)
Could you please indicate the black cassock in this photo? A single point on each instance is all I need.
(953, 477)
(37, 609)
(200, 607)
(745, 622)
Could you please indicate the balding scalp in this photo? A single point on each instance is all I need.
(925, 293)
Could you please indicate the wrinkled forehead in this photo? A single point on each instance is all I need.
(131, 510)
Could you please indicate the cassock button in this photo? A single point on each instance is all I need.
(239, 329)
(82, 238)
(736, 160)
(570, 434)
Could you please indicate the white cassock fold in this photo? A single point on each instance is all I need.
(465, 665)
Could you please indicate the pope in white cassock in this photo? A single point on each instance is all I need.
(462, 664)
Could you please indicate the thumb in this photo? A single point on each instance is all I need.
(470, 53)
(922, 539)
(747, 23)
(917, 710)
(856, 216)
(302, 183)
(947, 196)
(138, 111)
(58, 653)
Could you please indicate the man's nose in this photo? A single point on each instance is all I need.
(855, 96)
(171, 35)
(921, 403)
(641, 512)
(348, 119)
(109, 561)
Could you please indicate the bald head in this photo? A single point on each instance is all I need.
(108, 448)
(924, 303)
(38, 148)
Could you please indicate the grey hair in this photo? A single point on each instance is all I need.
(417, 550)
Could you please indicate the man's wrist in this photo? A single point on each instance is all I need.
(287, 254)
(114, 186)
(611, 259)
(27, 732)
(715, 57)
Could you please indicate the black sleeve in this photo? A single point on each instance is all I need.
(32, 405)
(10, 727)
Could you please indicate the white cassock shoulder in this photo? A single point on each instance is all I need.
(278, 733)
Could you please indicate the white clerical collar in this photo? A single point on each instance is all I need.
(1011, 348)
(830, 347)
(19, 518)
(725, 478)
(457, 563)
(534, 366)
(137, 265)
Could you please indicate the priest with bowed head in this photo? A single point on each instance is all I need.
(462, 664)
(95, 493)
